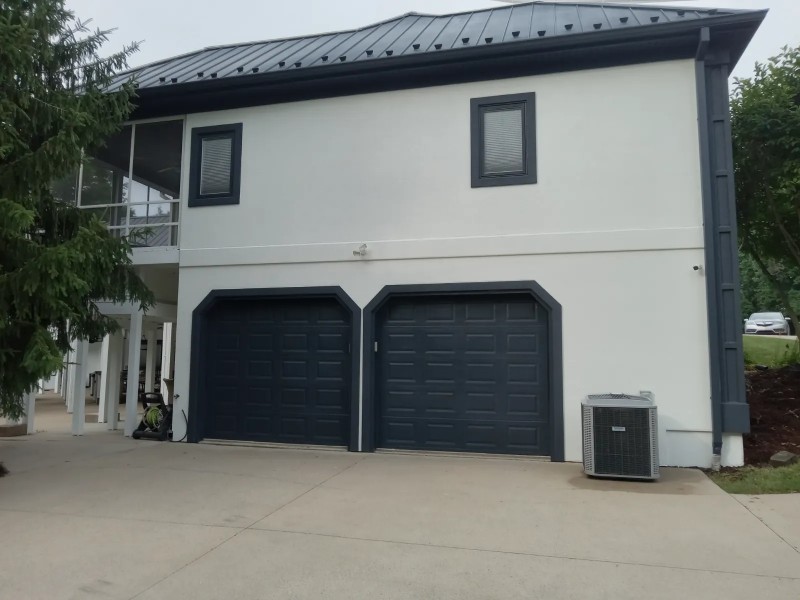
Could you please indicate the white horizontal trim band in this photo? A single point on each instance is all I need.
(706, 431)
(155, 255)
(637, 240)
(143, 225)
(126, 204)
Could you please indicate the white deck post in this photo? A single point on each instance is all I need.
(111, 365)
(132, 393)
(30, 411)
(69, 397)
(166, 359)
(79, 387)
(150, 361)
(111, 384)
(104, 371)
(125, 348)
(61, 390)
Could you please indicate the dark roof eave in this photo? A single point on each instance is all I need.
(745, 24)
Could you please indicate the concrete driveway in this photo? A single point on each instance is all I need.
(103, 516)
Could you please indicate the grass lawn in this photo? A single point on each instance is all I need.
(759, 480)
(770, 351)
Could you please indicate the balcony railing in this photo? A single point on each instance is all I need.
(133, 183)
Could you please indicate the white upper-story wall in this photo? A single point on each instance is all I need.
(617, 151)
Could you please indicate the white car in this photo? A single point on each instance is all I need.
(767, 323)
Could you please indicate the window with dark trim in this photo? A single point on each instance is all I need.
(503, 140)
(216, 164)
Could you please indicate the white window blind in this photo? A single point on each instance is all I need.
(215, 166)
(503, 146)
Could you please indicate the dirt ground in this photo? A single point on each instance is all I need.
(774, 397)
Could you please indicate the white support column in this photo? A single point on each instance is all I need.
(150, 361)
(166, 359)
(30, 411)
(61, 384)
(110, 366)
(101, 391)
(112, 387)
(132, 393)
(65, 377)
(69, 397)
(79, 387)
(125, 349)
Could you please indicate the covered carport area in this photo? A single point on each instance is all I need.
(134, 325)
(143, 344)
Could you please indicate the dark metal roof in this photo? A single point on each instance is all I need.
(392, 42)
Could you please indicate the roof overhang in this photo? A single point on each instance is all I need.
(729, 36)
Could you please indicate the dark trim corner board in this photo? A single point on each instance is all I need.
(730, 411)
(555, 374)
(200, 337)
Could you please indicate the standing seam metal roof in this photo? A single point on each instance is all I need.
(409, 34)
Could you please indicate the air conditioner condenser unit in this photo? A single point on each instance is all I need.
(620, 436)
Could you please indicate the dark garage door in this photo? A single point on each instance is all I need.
(278, 370)
(463, 373)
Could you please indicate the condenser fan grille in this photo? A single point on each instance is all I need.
(622, 441)
(620, 436)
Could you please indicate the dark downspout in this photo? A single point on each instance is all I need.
(729, 410)
(715, 355)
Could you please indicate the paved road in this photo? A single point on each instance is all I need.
(103, 516)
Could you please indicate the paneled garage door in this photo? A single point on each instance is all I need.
(463, 373)
(278, 370)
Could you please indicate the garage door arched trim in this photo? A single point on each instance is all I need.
(200, 337)
(555, 364)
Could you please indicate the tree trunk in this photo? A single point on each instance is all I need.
(794, 249)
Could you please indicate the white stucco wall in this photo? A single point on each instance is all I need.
(611, 230)
(617, 150)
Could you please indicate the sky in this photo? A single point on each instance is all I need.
(167, 28)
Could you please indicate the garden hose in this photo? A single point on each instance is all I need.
(152, 417)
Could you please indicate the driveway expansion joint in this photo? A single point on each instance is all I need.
(242, 529)
(117, 518)
(311, 489)
(767, 525)
(530, 554)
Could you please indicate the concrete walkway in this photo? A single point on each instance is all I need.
(103, 516)
(51, 415)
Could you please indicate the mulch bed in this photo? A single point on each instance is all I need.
(774, 397)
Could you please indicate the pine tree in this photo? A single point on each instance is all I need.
(56, 261)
